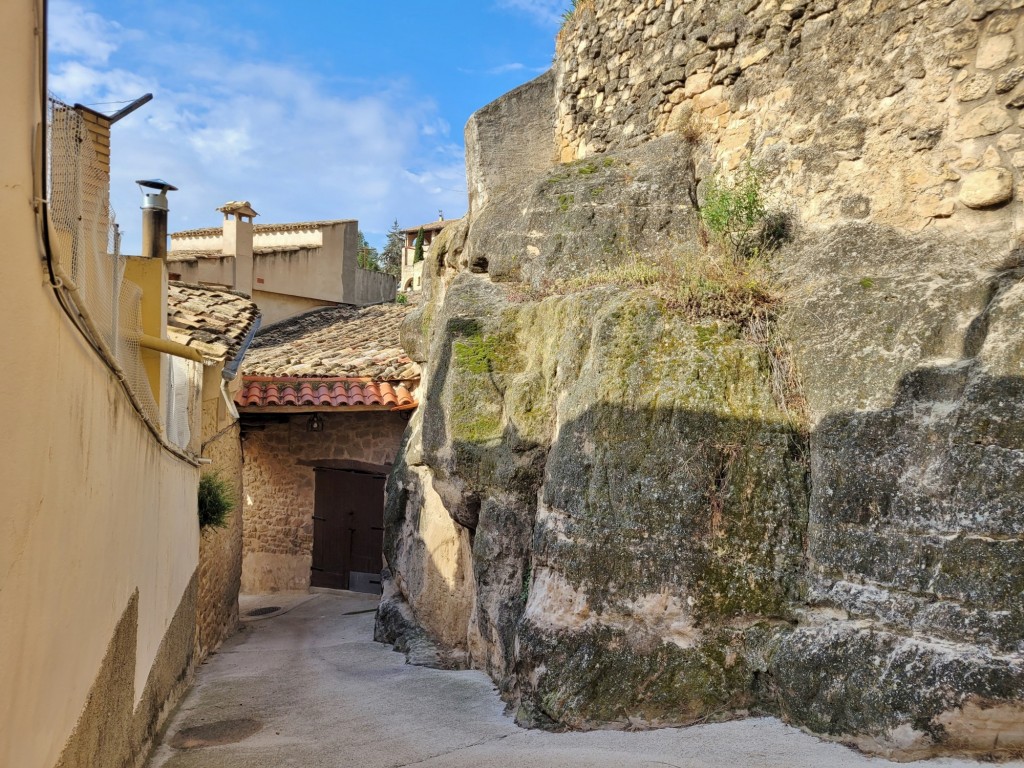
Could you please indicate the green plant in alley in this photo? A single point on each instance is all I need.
(216, 501)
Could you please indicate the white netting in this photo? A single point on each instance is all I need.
(85, 246)
(184, 385)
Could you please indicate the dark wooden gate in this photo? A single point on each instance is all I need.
(348, 530)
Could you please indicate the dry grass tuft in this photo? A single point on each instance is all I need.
(703, 283)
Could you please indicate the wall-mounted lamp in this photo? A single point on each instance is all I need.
(315, 423)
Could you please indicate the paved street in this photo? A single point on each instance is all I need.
(308, 687)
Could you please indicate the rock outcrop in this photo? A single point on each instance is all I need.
(638, 498)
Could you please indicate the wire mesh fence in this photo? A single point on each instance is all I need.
(90, 270)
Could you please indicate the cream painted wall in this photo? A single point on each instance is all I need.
(93, 508)
(278, 306)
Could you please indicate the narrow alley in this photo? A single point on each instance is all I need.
(308, 687)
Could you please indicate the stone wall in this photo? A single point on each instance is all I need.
(220, 549)
(906, 113)
(279, 463)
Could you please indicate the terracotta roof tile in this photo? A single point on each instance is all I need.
(334, 342)
(215, 322)
(258, 392)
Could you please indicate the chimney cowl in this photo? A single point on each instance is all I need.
(157, 199)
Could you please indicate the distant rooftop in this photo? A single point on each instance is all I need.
(213, 321)
(191, 254)
(338, 341)
(433, 226)
(298, 225)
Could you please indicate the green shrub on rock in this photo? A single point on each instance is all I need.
(734, 213)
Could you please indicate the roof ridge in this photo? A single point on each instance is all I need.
(268, 227)
(208, 289)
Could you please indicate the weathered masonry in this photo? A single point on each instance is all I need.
(642, 495)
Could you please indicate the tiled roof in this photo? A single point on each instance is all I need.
(349, 394)
(193, 255)
(339, 341)
(207, 231)
(433, 226)
(212, 321)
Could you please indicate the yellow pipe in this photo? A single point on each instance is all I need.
(169, 347)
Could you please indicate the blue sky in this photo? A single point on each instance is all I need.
(315, 109)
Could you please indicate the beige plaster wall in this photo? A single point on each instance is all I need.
(279, 485)
(217, 271)
(212, 242)
(315, 272)
(413, 272)
(220, 549)
(94, 510)
(280, 306)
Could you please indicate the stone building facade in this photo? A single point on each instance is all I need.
(220, 549)
(279, 468)
(328, 390)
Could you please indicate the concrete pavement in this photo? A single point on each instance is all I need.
(308, 687)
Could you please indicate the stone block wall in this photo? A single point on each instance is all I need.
(220, 549)
(905, 113)
(279, 465)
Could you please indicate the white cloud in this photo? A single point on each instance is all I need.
(504, 69)
(75, 31)
(274, 134)
(514, 66)
(436, 127)
(547, 12)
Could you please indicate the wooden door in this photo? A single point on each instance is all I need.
(348, 530)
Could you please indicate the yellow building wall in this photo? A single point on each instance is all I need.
(98, 531)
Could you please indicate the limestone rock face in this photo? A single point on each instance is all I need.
(634, 509)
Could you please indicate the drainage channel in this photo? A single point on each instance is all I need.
(265, 611)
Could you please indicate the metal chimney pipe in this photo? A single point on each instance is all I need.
(154, 217)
